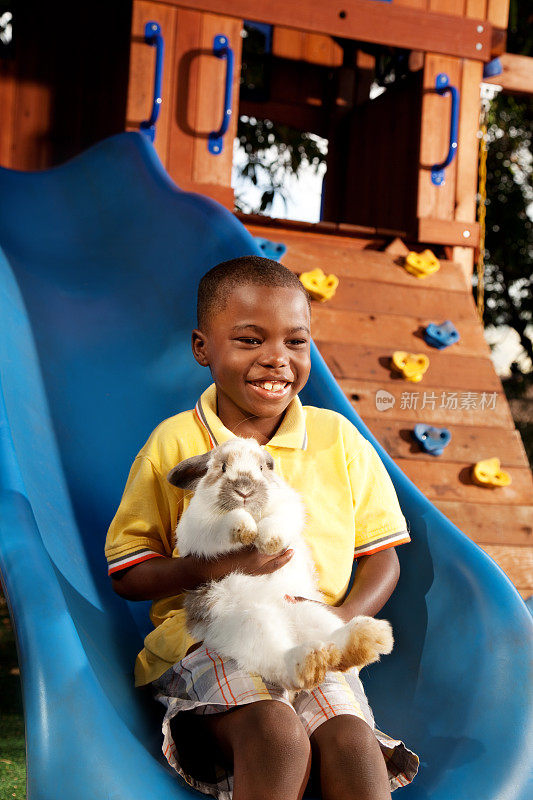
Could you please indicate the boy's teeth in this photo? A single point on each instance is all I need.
(272, 387)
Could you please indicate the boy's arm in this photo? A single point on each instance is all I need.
(166, 577)
(375, 580)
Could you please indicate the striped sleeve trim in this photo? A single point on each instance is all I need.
(391, 540)
(116, 564)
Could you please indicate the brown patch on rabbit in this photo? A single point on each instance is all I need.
(312, 670)
(369, 639)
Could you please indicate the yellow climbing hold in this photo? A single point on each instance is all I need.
(422, 264)
(489, 473)
(411, 365)
(320, 287)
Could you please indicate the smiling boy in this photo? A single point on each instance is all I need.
(229, 733)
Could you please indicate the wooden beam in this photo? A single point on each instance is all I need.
(366, 21)
(448, 231)
(517, 75)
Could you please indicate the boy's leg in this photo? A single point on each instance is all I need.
(267, 746)
(349, 759)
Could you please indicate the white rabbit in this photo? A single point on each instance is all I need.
(239, 500)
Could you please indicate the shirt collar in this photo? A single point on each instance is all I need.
(291, 433)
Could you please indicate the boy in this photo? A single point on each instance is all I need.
(229, 733)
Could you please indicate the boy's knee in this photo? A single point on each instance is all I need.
(273, 726)
(343, 736)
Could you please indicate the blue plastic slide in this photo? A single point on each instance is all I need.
(99, 264)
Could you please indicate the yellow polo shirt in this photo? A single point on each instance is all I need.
(352, 507)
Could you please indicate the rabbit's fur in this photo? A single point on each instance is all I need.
(239, 500)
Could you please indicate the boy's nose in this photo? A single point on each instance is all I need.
(273, 359)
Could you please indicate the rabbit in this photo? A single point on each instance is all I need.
(239, 500)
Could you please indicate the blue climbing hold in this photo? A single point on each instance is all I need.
(493, 68)
(432, 440)
(441, 336)
(273, 250)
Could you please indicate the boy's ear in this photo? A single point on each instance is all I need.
(187, 473)
(198, 344)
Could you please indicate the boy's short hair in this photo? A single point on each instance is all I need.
(216, 284)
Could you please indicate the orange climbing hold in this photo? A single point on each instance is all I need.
(489, 473)
(422, 264)
(411, 365)
(320, 287)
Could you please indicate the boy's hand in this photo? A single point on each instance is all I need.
(247, 560)
(167, 577)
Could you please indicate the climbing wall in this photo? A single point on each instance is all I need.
(380, 308)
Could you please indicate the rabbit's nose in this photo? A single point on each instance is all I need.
(243, 494)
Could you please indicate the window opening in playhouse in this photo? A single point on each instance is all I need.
(310, 106)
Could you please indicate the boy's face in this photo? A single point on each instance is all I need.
(258, 351)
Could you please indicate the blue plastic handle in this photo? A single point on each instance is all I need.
(153, 37)
(442, 87)
(222, 49)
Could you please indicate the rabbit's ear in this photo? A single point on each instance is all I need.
(187, 473)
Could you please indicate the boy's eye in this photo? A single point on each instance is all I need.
(248, 340)
(298, 341)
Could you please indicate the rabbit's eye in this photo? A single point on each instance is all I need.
(223, 466)
(261, 467)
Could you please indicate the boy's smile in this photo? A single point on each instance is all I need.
(258, 350)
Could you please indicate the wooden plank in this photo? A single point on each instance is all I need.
(366, 21)
(345, 257)
(517, 75)
(439, 480)
(323, 50)
(448, 372)
(287, 43)
(421, 4)
(314, 48)
(516, 562)
(448, 231)
(468, 444)
(437, 202)
(491, 524)
(476, 9)
(31, 145)
(454, 7)
(364, 236)
(142, 69)
(498, 13)
(8, 93)
(196, 103)
(208, 168)
(185, 67)
(222, 194)
(414, 404)
(362, 295)
(396, 332)
(468, 144)
(464, 256)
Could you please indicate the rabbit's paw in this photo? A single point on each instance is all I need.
(244, 533)
(308, 664)
(270, 546)
(362, 641)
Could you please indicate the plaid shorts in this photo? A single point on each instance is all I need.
(203, 683)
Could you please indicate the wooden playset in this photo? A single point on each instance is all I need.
(402, 166)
